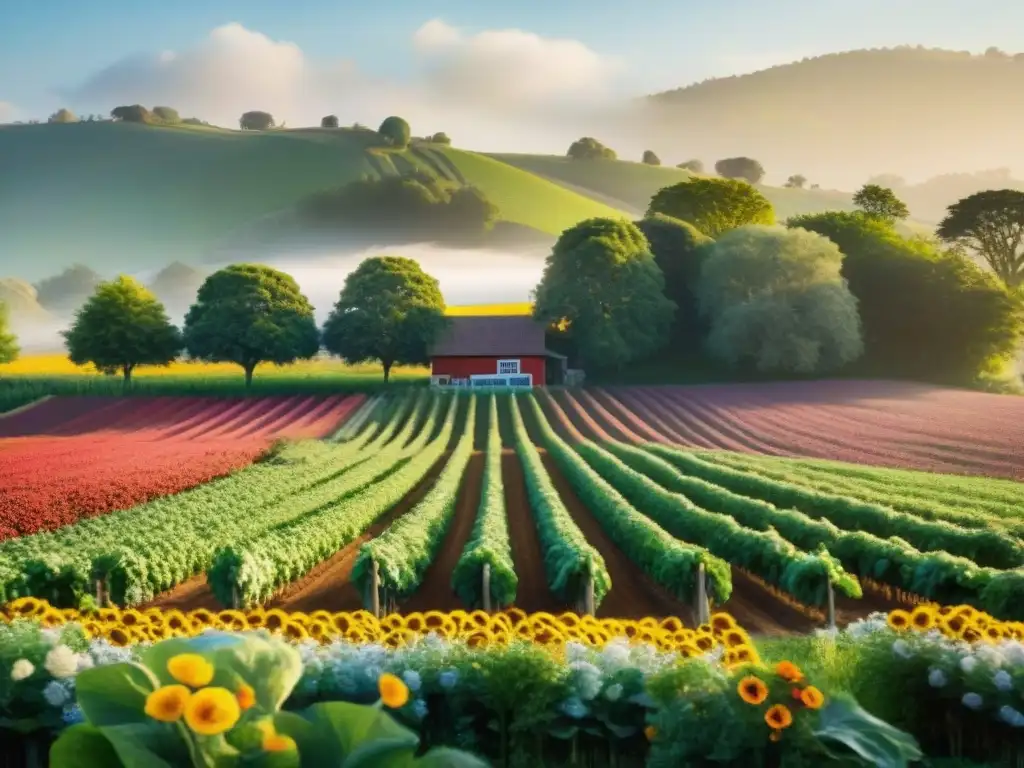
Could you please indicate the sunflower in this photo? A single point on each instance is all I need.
(630, 629)
(752, 690)
(293, 630)
(688, 650)
(393, 621)
(342, 622)
(318, 630)
(789, 672)
(480, 618)
(922, 618)
(203, 616)
(51, 617)
(211, 711)
(449, 628)
(953, 624)
(132, 618)
(109, 614)
(898, 619)
(568, 619)
(433, 620)
(275, 619)
(993, 632)
(415, 622)
(745, 654)
(648, 622)
(167, 704)
(778, 717)
(722, 621)
(255, 618)
(734, 637)
(92, 628)
(26, 606)
(396, 638)
(704, 642)
(119, 636)
(174, 620)
(811, 697)
(970, 634)
(356, 635)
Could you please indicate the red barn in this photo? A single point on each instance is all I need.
(495, 350)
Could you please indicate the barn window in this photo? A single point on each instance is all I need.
(507, 367)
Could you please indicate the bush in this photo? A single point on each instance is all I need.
(650, 158)
(776, 301)
(63, 116)
(396, 131)
(740, 168)
(167, 115)
(589, 148)
(713, 206)
(136, 113)
(256, 121)
(440, 138)
(331, 121)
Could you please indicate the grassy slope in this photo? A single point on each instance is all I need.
(120, 196)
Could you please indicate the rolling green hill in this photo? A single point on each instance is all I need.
(121, 196)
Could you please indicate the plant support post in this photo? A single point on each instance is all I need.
(486, 587)
(375, 589)
(588, 595)
(703, 613)
(831, 606)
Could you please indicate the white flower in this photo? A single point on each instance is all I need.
(937, 678)
(575, 651)
(1002, 680)
(613, 692)
(22, 669)
(586, 679)
(972, 700)
(55, 694)
(902, 649)
(61, 662)
(968, 664)
(990, 655)
(85, 662)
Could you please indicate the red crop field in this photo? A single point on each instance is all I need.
(76, 457)
(890, 424)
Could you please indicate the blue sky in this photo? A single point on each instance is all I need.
(49, 46)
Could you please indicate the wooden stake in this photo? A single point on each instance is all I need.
(236, 599)
(588, 595)
(831, 606)
(486, 587)
(703, 612)
(375, 589)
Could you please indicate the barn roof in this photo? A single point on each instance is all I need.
(491, 336)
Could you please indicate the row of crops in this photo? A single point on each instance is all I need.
(684, 519)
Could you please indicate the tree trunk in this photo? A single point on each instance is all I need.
(249, 368)
(127, 369)
(387, 369)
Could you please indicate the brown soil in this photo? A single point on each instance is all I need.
(435, 592)
(328, 586)
(759, 612)
(532, 593)
(633, 595)
(188, 596)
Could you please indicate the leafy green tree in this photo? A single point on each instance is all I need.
(256, 121)
(650, 158)
(796, 181)
(881, 203)
(63, 116)
(776, 300)
(396, 131)
(601, 282)
(67, 290)
(440, 138)
(8, 342)
(390, 311)
(925, 314)
(136, 113)
(677, 248)
(120, 327)
(740, 168)
(589, 148)
(330, 121)
(694, 166)
(990, 223)
(167, 115)
(249, 314)
(713, 206)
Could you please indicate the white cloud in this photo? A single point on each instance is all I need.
(7, 111)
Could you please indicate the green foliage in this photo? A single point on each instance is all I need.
(880, 203)
(395, 131)
(167, 115)
(602, 279)
(63, 116)
(122, 326)
(489, 543)
(991, 223)
(136, 113)
(775, 299)
(9, 349)
(650, 158)
(440, 138)
(67, 290)
(568, 558)
(256, 121)
(714, 206)
(389, 310)
(694, 166)
(667, 560)
(740, 168)
(589, 148)
(330, 121)
(797, 181)
(248, 314)
(954, 320)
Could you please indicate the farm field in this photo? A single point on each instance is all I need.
(405, 506)
(70, 458)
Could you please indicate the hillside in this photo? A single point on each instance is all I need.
(841, 118)
(124, 196)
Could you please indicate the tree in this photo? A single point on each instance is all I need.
(63, 116)
(776, 300)
(694, 166)
(67, 290)
(990, 223)
(331, 121)
(120, 327)
(395, 131)
(740, 168)
(880, 203)
(249, 314)
(256, 121)
(713, 206)
(8, 342)
(796, 181)
(390, 311)
(167, 115)
(136, 113)
(925, 314)
(589, 148)
(440, 138)
(677, 249)
(601, 283)
(650, 158)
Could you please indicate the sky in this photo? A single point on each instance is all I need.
(363, 60)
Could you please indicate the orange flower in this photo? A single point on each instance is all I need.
(797, 694)
(812, 698)
(275, 742)
(246, 697)
(650, 732)
(393, 691)
(776, 735)
(779, 717)
(752, 690)
(789, 671)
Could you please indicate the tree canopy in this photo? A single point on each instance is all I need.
(991, 224)
(740, 168)
(796, 181)
(589, 148)
(389, 311)
(713, 206)
(67, 290)
(249, 314)
(694, 166)
(8, 342)
(601, 283)
(396, 131)
(167, 115)
(135, 113)
(330, 121)
(256, 121)
(440, 138)
(122, 326)
(880, 203)
(776, 300)
(63, 116)
(650, 158)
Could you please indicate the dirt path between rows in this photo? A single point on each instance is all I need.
(329, 586)
(188, 596)
(435, 592)
(760, 613)
(532, 593)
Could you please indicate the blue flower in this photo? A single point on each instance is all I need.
(412, 679)
(55, 694)
(1011, 716)
(1002, 680)
(419, 708)
(73, 715)
(448, 678)
(937, 678)
(972, 700)
(574, 708)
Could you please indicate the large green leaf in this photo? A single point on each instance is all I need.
(149, 745)
(844, 721)
(83, 746)
(349, 732)
(443, 757)
(115, 694)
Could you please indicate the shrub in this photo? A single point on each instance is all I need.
(167, 115)
(256, 121)
(395, 131)
(694, 166)
(330, 121)
(589, 148)
(740, 168)
(650, 158)
(713, 206)
(136, 113)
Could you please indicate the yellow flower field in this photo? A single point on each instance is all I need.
(522, 308)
